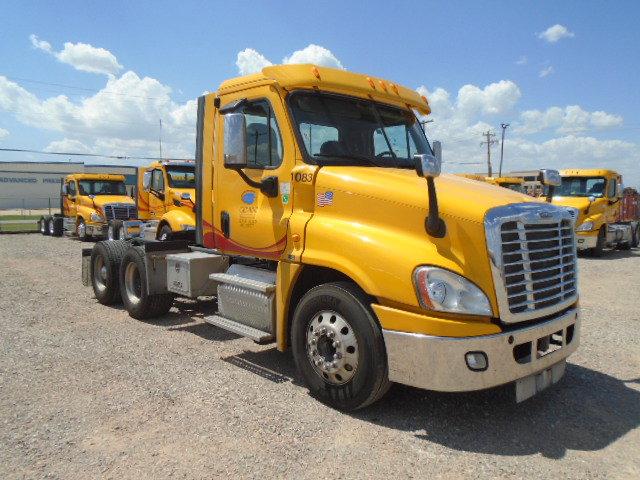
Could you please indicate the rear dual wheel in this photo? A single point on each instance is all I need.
(338, 346)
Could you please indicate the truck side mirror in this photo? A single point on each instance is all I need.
(551, 179)
(429, 166)
(235, 141)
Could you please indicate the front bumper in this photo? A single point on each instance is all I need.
(438, 363)
(586, 240)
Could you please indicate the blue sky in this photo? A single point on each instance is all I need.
(481, 63)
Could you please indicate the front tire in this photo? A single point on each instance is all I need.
(56, 226)
(598, 250)
(81, 230)
(133, 285)
(338, 346)
(44, 225)
(164, 233)
(113, 230)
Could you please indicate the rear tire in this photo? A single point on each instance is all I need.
(105, 267)
(635, 237)
(343, 361)
(44, 225)
(57, 229)
(133, 285)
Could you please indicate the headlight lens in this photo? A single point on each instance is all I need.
(96, 217)
(585, 227)
(445, 291)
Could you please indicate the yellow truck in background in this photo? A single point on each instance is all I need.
(165, 199)
(323, 226)
(512, 183)
(88, 202)
(598, 199)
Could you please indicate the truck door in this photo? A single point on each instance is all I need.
(612, 212)
(157, 194)
(70, 202)
(246, 220)
(142, 193)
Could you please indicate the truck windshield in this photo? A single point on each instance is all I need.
(341, 130)
(181, 176)
(102, 187)
(580, 187)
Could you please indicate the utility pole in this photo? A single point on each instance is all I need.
(491, 140)
(160, 139)
(504, 128)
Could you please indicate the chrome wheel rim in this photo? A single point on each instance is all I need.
(100, 273)
(51, 229)
(82, 230)
(332, 347)
(122, 234)
(43, 226)
(132, 283)
(110, 233)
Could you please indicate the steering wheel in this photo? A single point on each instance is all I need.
(386, 152)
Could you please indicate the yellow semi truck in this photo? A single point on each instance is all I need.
(597, 197)
(323, 225)
(165, 200)
(512, 183)
(88, 202)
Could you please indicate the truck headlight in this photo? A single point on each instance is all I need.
(445, 291)
(585, 227)
(96, 217)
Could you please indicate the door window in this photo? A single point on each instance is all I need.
(146, 181)
(611, 190)
(264, 145)
(71, 189)
(157, 181)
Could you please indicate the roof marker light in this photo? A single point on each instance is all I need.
(371, 82)
(394, 87)
(424, 99)
(315, 71)
(383, 85)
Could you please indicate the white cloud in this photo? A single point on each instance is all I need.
(81, 56)
(555, 33)
(523, 60)
(67, 145)
(314, 54)
(251, 61)
(3, 133)
(122, 117)
(570, 119)
(493, 99)
(545, 72)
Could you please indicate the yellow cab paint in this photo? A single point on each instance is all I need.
(372, 231)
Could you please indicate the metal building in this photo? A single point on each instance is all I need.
(32, 185)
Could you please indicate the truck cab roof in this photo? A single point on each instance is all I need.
(308, 76)
(96, 176)
(588, 172)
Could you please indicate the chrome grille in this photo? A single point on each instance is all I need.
(120, 211)
(533, 254)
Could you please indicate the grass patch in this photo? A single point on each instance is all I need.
(20, 217)
(18, 227)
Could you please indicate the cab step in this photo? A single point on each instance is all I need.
(238, 328)
(248, 283)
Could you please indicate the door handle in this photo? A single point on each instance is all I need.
(225, 223)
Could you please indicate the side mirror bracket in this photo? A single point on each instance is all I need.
(429, 167)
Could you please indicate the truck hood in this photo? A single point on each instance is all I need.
(458, 197)
(102, 200)
(577, 202)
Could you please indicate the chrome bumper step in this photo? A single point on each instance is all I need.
(254, 334)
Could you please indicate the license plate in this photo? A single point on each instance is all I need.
(527, 387)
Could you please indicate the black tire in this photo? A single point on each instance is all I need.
(113, 230)
(371, 379)
(165, 233)
(105, 270)
(58, 226)
(44, 225)
(133, 285)
(635, 237)
(598, 250)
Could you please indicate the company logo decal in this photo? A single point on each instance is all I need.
(248, 197)
(325, 199)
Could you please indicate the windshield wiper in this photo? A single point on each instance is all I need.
(350, 157)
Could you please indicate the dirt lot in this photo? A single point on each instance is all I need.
(88, 392)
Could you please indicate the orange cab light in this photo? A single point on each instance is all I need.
(383, 85)
(394, 87)
(315, 71)
(295, 237)
(371, 82)
(424, 99)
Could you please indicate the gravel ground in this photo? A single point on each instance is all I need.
(88, 392)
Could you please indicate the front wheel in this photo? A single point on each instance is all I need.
(113, 230)
(133, 286)
(338, 346)
(44, 225)
(164, 233)
(81, 230)
(635, 237)
(598, 250)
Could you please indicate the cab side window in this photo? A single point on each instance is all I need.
(611, 189)
(157, 181)
(264, 145)
(146, 181)
(71, 188)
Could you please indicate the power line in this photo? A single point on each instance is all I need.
(79, 154)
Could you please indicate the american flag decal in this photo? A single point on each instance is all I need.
(325, 199)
